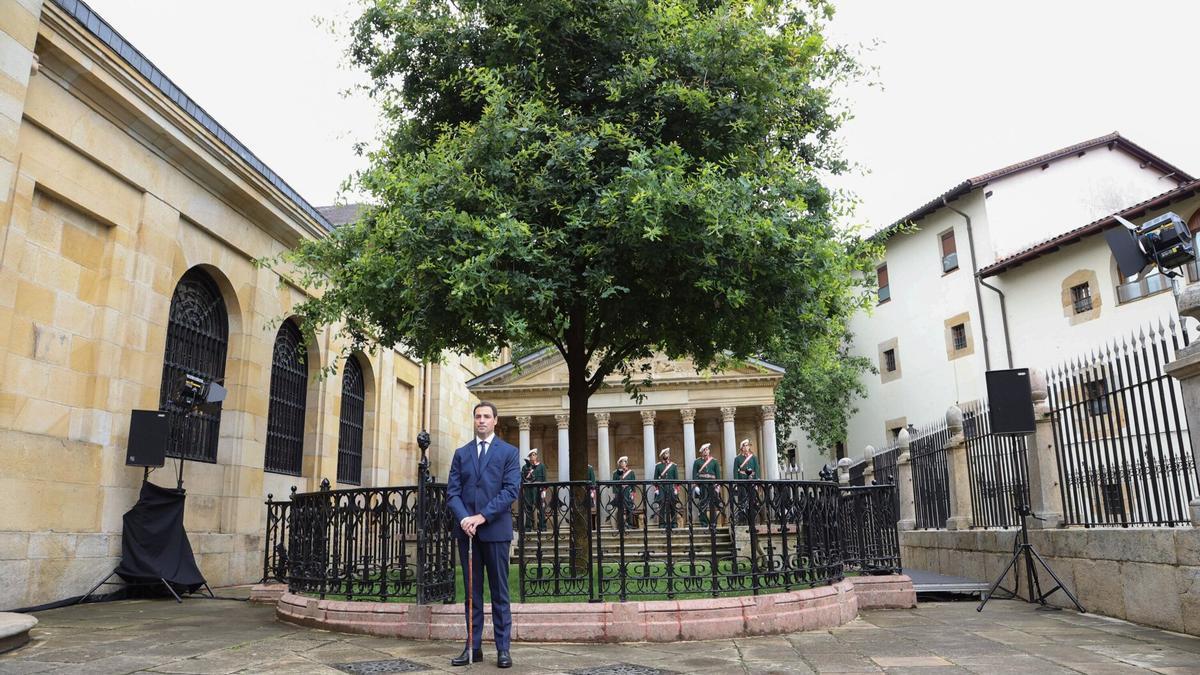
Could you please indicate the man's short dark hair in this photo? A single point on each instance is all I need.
(488, 404)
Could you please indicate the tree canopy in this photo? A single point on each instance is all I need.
(612, 177)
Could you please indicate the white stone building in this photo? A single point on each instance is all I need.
(1006, 269)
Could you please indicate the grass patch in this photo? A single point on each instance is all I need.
(654, 587)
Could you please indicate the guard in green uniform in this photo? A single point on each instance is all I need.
(666, 470)
(531, 502)
(703, 469)
(623, 499)
(745, 467)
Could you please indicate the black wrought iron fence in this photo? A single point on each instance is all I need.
(671, 539)
(371, 543)
(998, 470)
(1122, 439)
(883, 464)
(275, 543)
(931, 479)
(858, 473)
(867, 524)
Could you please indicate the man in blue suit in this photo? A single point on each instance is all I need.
(483, 484)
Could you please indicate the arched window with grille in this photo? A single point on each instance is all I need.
(350, 435)
(197, 341)
(289, 397)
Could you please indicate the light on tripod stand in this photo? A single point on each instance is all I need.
(199, 395)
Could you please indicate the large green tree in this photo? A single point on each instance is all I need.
(611, 177)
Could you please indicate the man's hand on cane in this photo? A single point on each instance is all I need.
(472, 523)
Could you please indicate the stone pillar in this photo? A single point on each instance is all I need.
(908, 506)
(960, 479)
(523, 423)
(729, 441)
(869, 469)
(603, 460)
(1186, 369)
(689, 439)
(843, 471)
(1045, 496)
(564, 447)
(648, 447)
(770, 452)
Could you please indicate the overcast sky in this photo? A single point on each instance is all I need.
(964, 87)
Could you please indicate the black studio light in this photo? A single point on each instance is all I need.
(1163, 241)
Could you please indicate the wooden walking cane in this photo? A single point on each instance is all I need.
(470, 593)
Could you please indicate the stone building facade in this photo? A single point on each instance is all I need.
(130, 222)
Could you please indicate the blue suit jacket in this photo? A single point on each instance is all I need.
(488, 486)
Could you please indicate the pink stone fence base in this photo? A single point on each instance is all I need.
(656, 621)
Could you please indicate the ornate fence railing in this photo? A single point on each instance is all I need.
(930, 475)
(670, 539)
(867, 525)
(371, 543)
(275, 542)
(1122, 439)
(997, 467)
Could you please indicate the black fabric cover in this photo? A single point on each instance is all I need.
(154, 545)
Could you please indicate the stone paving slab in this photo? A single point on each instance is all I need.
(204, 637)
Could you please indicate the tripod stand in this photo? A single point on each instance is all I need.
(1035, 585)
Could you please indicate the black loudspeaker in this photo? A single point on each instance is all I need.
(1010, 401)
(149, 431)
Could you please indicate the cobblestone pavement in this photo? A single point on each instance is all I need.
(223, 636)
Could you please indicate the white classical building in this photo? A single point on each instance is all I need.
(682, 409)
(1007, 269)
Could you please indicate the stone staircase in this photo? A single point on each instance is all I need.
(651, 543)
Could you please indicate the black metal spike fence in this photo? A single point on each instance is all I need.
(886, 472)
(930, 474)
(1122, 439)
(998, 469)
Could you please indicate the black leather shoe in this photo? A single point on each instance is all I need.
(469, 656)
(503, 660)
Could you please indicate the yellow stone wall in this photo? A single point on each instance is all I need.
(110, 194)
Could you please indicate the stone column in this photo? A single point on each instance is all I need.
(689, 440)
(869, 469)
(729, 440)
(908, 506)
(1045, 497)
(648, 448)
(523, 423)
(564, 447)
(1186, 369)
(843, 471)
(770, 452)
(603, 460)
(960, 479)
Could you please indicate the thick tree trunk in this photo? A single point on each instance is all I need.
(577, 439)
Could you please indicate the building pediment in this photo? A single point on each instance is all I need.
(546, 370)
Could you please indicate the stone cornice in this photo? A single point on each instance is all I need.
(170, 125)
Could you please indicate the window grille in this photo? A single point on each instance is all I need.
(197, 341)
(959, 334)
(889, 360)
(1081, 298)
(350, 436)
(1097, 397)
(289, 397)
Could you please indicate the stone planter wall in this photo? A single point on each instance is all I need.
(1146, 575)
(656, 621)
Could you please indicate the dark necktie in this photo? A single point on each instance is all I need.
(482, 449)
